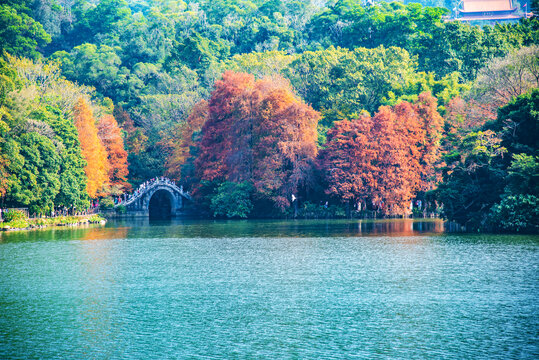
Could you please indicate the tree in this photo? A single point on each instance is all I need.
(110, 135)
(232, 200)
(284, 144)
(38, 181)
(386, 159)
(431, 124)
(20, 35)
(107, 15)
(98, 66)
(260, 64)
(93, 150)
(517, 123)
(197, 52)
(135, 139)
(501, 80)
(349, 160)
(5, 178)
(72, 178)
(341, 81)
(182, 142)
(43, 163)
(224, 115)
(258, 132)
(516, 213)
(473, 179)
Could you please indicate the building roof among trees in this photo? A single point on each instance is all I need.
(486, 5)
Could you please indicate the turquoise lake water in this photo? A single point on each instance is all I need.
(268, 290)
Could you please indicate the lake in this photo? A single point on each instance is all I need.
(333, 289)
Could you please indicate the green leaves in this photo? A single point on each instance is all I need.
(518, 213)
(20, 34)
(40, 157)
(351, 81)
(487, 190)
(232, 200)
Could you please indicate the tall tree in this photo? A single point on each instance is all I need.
(284, 144)
(111, 136)
(93, 150)
(385, 160)
(223, 115)
(182, 142)
(260, 133)
(72, 178)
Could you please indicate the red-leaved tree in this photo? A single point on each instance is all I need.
(258, 132)
(383, 161)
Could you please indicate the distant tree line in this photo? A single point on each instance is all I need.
(256, 101)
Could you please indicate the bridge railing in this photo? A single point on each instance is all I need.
(147, 186)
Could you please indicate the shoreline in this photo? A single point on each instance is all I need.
(43, 223)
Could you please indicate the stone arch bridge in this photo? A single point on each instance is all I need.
(160, 198)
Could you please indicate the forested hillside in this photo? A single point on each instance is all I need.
(254, 104)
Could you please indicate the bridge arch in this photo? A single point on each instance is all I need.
(159, 198)
(160, 204)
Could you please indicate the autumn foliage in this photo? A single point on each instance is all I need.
(382, 161)
(93, 150)
(111, 136)
(135, 138)
(181, 141)
(258, 132)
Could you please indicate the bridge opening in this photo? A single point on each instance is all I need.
(160, 206)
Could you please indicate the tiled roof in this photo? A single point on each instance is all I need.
(486, 5)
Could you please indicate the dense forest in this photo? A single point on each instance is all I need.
(272, 108)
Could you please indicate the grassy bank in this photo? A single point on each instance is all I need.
(28, 224)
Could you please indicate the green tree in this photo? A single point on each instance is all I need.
(517, 123)
(20, 34)
(342, 82)
(95, 66)
(72, 190)
(38, 179)
(516, 213)
(482, 185)
(232, 200)
(197, 52)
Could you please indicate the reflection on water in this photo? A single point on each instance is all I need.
(116, 229)
(268, 289)
(102, 233)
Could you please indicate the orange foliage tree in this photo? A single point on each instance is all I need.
(284, 135)
(431, 149)
(111, 136)
(258, 132)
(93, 150)
(381, 162)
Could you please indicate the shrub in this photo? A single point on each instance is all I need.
(121, 209)
(12, 215)
(17, 224)
(518, 213)
(232, 200)
(95, 219)
(106, 203)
